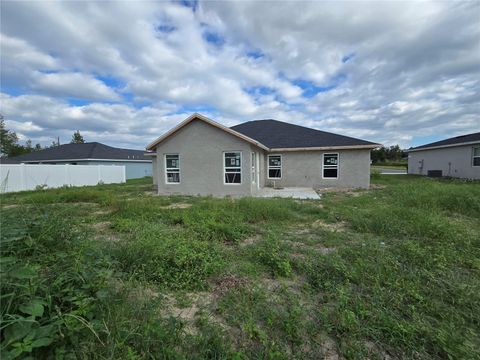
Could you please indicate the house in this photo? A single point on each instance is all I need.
(456, 157)
(201, 156)
(137, 165)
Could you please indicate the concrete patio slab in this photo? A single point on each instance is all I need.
(290, 192)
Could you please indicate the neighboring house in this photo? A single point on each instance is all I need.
(137, 165)
(457, 157)
(200, 156)
(7, 161)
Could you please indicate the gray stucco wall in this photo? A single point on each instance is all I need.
(154, 170)
(304, 169)
(200, 147)
(453, 161)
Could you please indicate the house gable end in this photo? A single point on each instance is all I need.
(199, 117)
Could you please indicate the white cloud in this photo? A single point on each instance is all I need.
(412, 67)
(74, 85)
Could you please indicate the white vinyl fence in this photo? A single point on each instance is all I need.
(30, 177)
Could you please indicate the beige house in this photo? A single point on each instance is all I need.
(454, 157)
(203, 157)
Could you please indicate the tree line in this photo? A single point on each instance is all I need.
(10, 145)
(388, 154)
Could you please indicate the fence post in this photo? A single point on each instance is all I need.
(23, 176)
(67, 175)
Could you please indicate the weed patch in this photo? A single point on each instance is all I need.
(113, 272)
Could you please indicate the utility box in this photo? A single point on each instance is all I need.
(434, 173)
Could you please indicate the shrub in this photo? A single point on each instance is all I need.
(172, 261)
(270, 253)
(48, 291)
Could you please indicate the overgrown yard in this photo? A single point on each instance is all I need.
(112, 272)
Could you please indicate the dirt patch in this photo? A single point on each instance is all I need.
(299, 231)
(251, 240)
(377, 187)
(317, 247)
(102, 226)
(329, 350)
(13, 206)
(102, 212)
(197, 302)
(352, 192)
(298, 256)
(271, 284)
(177, 206)
(338, 226)
(142, 295)
(377, 351)
(79, 203)
(293, 285)
(228, 283)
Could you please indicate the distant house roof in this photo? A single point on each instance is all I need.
(86, 151)
(454, 141)
(7, 161)
(281, 135)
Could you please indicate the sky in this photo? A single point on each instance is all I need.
(125, 72)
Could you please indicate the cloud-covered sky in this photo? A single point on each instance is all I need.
(125, 72)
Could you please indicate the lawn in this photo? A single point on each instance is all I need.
(114, 272)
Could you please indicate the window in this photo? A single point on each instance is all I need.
(232, 167)
(476, 156)
(330, 166)
(172, 169)
(274, 166)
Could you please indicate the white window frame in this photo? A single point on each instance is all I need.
(167, 170)
(330, 166)
(475, 156)
(232, 167)
(274, 167)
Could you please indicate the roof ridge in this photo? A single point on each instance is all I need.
(301, 126)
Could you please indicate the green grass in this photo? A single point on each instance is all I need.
(112, 272)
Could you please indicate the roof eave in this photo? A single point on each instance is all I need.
(197, 116)
(82, 159)
(444, 146)
(321, 148)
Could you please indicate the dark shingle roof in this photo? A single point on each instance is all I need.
(7, 161)
(451, 141)
(278, 134)
(92, 150)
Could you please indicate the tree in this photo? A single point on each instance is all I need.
(383, 154)
(8, 139)
(77, 138)
(55, 143)
(9, 145)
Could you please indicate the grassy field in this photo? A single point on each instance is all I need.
(403, 164)
(394, 167)
(112, 272)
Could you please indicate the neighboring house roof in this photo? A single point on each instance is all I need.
(279, 135)
(86, 151)
(7, 161)
(273, 135)
(451, 142)
(197, 116)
